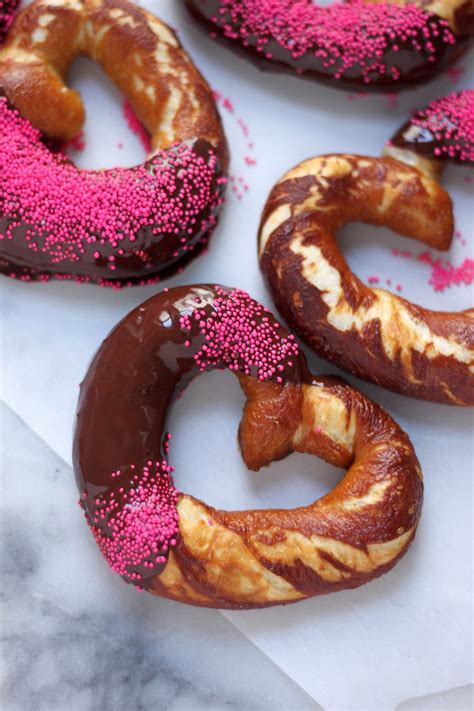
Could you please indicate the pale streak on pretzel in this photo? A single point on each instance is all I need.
(245, 559)
(372, 333)
(259, 558)
(141, 55)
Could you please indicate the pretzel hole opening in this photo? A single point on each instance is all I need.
(109, 139)
(207, 459)
(382, 259)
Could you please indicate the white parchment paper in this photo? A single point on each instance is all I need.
(407, 634)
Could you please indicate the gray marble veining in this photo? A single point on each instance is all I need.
(75, 638)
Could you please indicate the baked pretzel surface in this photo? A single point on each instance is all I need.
(179, 547)
(372, 333)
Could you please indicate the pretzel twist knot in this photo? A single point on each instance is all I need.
(178, 547)
(118, 226)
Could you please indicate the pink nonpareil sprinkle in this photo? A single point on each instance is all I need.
(242, 335)
(446, 275)
(343, 35)
(136, 126)
(455, 73)
(70, 211)
(392, 100)
(136, 524)
(77, 144)
(451, 121)
(443, 274)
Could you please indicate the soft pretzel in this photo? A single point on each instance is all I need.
(118, 226)
(176, 546)
(443, 131)
(370, 332)
(363, 43)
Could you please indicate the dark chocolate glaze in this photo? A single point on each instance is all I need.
(414, 67)
(146, 259)
(448, 145)
(141, 367)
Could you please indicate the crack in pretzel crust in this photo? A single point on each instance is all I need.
(254, 558)
(372, 333)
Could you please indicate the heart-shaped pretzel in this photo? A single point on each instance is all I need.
(176, 546)
(120, 226)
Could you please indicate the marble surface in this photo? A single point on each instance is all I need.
(74, 638)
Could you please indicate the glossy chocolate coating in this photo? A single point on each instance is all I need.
(143, 260)
(415, 67)
(422, 141)
(146, 361)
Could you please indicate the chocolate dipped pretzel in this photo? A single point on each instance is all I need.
(362, 43)
(119, 226)
(370, 332)
(441, 132)
(175, 545)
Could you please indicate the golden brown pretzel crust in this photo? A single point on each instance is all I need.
(355, 533)
(141, 55)
(372, 333)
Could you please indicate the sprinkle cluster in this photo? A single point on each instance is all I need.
(343, 36)
(443, 274)
(136, 522)
(451, 121)
(240, 334)
(136, 126)
(96, 217)
(7, 13)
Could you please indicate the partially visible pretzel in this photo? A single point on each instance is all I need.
(370, 332)
(370, 44)
(7, 13)
(118, 226)
(176, 546)
(441, 132)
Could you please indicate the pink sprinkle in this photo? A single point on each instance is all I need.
(392, 100)
(346, 37)
(134, 528)
(451, 121)
(444, 275)
(241, 334)
(455, 73)
(71, 215)
(77, 143)
(136, 126)
(373, 280)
